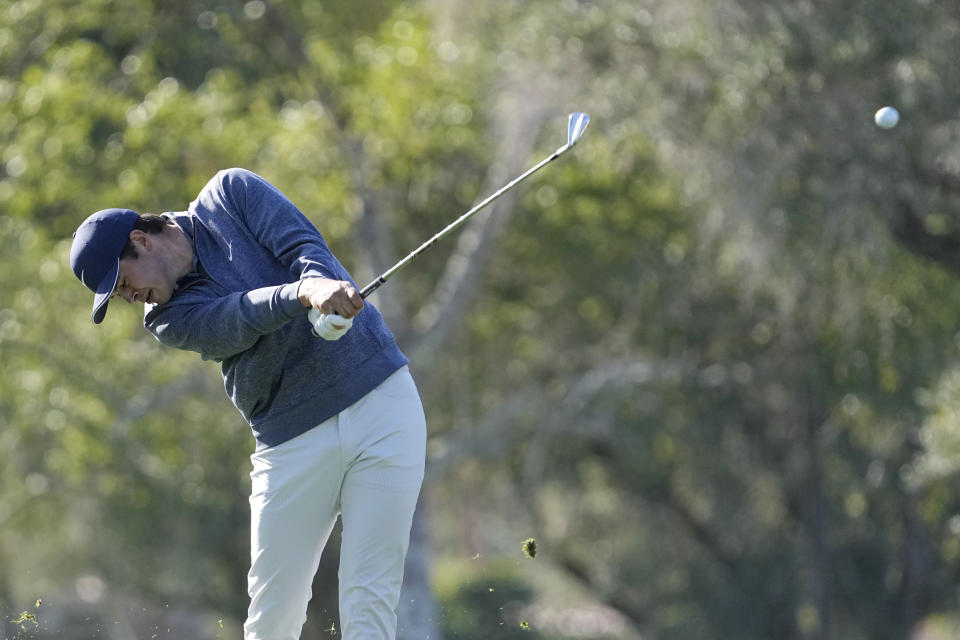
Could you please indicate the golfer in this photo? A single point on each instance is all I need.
(337, 419)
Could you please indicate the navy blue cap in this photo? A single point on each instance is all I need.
(95, 254)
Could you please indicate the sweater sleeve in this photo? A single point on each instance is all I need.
(220, 326)
(277, 224)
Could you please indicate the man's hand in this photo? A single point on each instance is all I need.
(330, 297)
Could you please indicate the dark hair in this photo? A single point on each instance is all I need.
(148, 223)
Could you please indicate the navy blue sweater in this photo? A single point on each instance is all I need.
(239, 307)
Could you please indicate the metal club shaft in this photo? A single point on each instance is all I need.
(577, 124)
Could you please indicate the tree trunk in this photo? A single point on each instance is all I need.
(417, 615)
(816, 523)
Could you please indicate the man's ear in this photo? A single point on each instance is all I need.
(140, 239)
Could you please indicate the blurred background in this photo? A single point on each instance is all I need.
(708, 360)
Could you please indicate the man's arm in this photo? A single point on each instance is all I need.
(281, 228)
(220, 326)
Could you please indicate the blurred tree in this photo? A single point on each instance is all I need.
(775, 324)
(141, 115)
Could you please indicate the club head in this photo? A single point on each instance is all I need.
(577, 125)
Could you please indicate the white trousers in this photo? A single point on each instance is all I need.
(365, 464)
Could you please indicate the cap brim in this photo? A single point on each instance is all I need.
(104, 292)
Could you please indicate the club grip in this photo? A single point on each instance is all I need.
(373, 286)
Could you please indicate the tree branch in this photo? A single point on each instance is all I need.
(495, 432)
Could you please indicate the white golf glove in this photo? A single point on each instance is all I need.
(329, 327)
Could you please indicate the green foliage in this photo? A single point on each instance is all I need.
(740, 376)
(488, 607)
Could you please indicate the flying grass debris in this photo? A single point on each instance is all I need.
(25, 618)
(530, 547)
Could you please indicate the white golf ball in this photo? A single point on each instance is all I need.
(887, 117)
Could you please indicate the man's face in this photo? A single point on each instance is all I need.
(146, 278)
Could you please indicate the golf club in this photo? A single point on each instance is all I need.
(576, 125)
(333, 326)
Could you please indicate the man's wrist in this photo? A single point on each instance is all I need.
(301, 296)
(289, 298)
